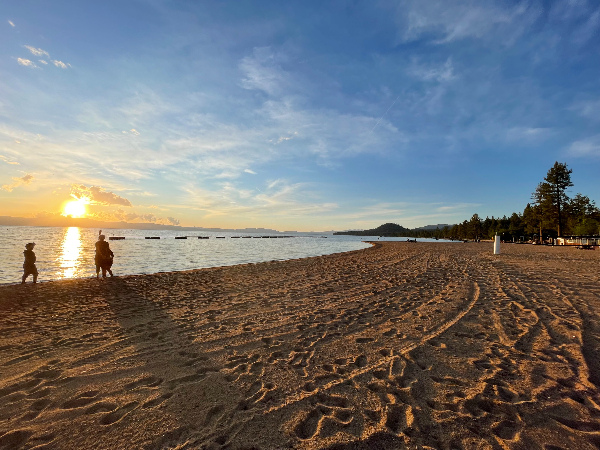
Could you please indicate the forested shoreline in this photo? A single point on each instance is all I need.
(551, 213)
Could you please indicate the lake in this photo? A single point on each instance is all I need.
(69, 252)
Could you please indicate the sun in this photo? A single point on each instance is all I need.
(75, 208)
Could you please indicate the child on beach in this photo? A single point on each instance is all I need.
(29, 264)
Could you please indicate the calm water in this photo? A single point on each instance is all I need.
(69, 252)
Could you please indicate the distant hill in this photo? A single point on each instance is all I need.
(387, 229)
(434, 227)
(395, 230)
(60, 221)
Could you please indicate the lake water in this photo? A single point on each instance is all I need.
(69, 252)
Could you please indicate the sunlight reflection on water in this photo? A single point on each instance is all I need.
(71, 250)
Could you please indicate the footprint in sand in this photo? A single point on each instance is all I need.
(83, 399)
(213, 414)
(36, 408)
(330, 413)
(157, 401)
(507, 430)
(101, 407)
(118, 414)
(15, 439)
(309, 426)
(149, 381)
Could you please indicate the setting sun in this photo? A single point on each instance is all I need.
(75, 208)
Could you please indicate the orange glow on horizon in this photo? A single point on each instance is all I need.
(75, 208)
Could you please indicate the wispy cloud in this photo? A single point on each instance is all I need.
(277, 198)
(11, 23)
(446, 22)
(8, 161)
(120, 215)
(60, 64)
(590, 28)
(18, 182)
(26, 62)
(590, 109)
(42, 53)
(37, 51)
(262, 71)
(283, 138)
(585, 147)
(528, 134)
(456, 207)
(439, 73)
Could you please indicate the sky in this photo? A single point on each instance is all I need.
(305, 116)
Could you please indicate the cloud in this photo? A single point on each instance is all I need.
(11, 23)
(590, 109)
(586, 31)
(528, 134)
(440, 74)
(122, 216)
(37, 51)
(252, 172)
(97, 195)
(585, 147)
(457, 207)
(41, 53)
(461, 19)
(18, 182)
(7, 161)
(263, 72)
(26, 62)
(283, 138)
(60, 64)
(278, 198)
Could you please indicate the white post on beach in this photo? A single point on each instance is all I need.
(496, 245)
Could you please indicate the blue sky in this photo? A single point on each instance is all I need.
(295, 115)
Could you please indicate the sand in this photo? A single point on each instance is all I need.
(401, 345)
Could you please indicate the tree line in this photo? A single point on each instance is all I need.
(551, 213)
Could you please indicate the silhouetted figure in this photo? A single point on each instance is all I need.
(104, 257)
(29, 264)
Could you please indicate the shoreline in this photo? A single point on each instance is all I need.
(70, 253)
(93, 277)
(392, 346)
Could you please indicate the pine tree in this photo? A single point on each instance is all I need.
(558, 180)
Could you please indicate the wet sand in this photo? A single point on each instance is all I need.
(402, 345)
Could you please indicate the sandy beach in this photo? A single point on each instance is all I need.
(401, 345)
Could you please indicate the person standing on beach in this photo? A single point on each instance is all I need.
(104, 257)
(29, 267)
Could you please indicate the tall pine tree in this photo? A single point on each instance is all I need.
(550, 196)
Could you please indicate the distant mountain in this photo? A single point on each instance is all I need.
(395, 230)
(387, 229)
(434, 227)
(60, 221)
